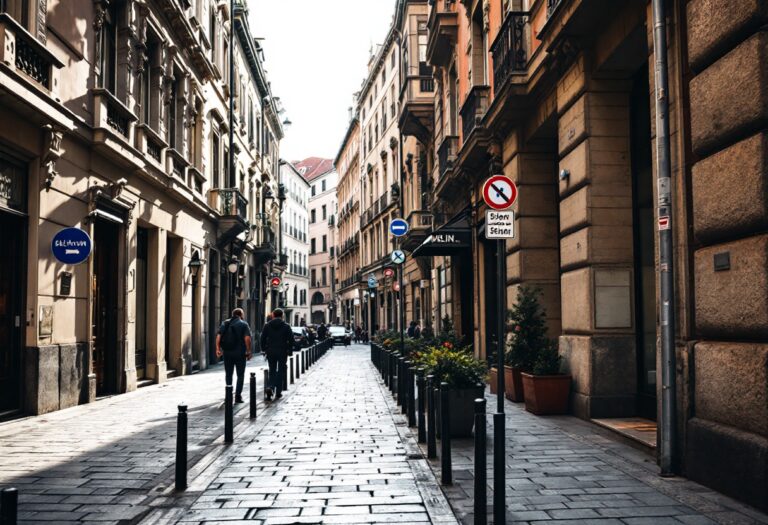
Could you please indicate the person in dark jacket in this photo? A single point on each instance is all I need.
(322, 332)
(277, 343)
(234, 343)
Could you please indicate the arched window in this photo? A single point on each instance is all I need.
(317, 298)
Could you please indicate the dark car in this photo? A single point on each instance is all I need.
(300, 336)
(339, 335)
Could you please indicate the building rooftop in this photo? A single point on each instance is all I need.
(314, 167)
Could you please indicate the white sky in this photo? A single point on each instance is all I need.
(316, 56)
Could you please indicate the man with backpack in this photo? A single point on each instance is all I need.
(277, 343)
(234, 343)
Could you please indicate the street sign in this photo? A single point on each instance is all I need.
(372, 282)
(398, 257)
(398, 227)
(389, 272)
(275, 282)
(499, 192)
(396, 286)
(499, 224)
(71, 246)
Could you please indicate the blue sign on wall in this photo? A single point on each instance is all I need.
(398, 227)
(71, 246)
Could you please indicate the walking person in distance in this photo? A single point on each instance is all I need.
(277, 343)
(234, 343)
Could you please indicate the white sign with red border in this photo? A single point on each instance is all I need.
(499, 192)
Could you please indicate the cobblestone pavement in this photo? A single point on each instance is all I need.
(562, 470)
(101, 462)
(332, 453)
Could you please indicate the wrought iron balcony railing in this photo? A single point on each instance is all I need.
(552, 5)
(474, 108)
(509, 49)
(446, 154)
(230, 202)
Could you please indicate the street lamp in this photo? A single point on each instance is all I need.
(233, 265)
(195, 264)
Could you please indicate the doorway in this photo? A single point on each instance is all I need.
(12, 235)
(142, 256)
(644, 244)
(105, 306)
(213, 293)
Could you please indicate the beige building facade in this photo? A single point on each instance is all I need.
(115, 122)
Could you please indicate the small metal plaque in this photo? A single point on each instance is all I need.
(65, 285)
(722, 261)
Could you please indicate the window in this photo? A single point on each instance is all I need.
(313, 281)
(314, 191)
(392, 60)
(324, 274)
(173, 114)
(313, 218)
(313, 246)
(325, 243)
(322, 184)
(109, 50)
(325, 216)
(216, 161)
(212, 33)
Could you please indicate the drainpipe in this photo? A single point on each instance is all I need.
(231, 160)
(666, 252)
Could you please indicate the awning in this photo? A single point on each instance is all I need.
(452, 238)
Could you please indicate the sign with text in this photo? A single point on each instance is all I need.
(398, 227)
(71, 246)
(499, 224)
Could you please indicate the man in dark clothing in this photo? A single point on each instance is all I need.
(411, 329)
(277, 342)
(322, 332)
(234, 342)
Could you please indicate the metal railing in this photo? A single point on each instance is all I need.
(446, 153)
(421, 220)
(474, 108)
(509, 49)
(230, 202)
(552, 5)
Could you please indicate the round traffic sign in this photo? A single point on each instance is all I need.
(398, 257)
(71, 246)
(372, 282)
(275, 282)
(389, 272)
(398, 227)
(499, 192)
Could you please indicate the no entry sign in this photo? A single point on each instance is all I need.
(499, 192)
(275, 282)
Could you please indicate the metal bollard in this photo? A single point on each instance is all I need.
(499, 479)
(228, 431)
(291, 369)
(253, 395)
(284, 375)
(181, 448)
(9, 506)
(266, 383)
(404, 385)
(431, 435)
(401, 383)
(481, 474)
(446, 475)
(422, 434)
(410, 395)
(385, 367)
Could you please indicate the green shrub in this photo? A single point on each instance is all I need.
(455, 366)
(548, 360)
(529, 330)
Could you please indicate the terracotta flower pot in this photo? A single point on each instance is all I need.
(493, 380)
(513, 384)
(546, 395)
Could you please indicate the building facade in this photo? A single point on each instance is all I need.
(294, 292)
(353, 293)
(322, 178)
(560, 97)
(129, 144)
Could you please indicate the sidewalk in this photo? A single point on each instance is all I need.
(562, 470)
(329, 453)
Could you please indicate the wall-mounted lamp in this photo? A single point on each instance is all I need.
(233, 265)
(564, 174)
(194, 266)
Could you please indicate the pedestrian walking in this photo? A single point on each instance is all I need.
(417, 331)
(322, 332)
(277, 343)
(358, 334)
(411, 329)
(233, 342)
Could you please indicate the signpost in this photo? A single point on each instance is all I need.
(372, 282)
(71, 246)
(499, 193)
(398, 257)
(275, 282)
(398, 227)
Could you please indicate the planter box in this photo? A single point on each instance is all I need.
(462, 408)
(493, 380)
(546, 395)
(513, 384)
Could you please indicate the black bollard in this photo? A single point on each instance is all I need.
(284, 375)
(401, 395)
(446, 475)
(481, 474)
(421, 405)
(291, 369)
(253, 395)
(499, 479)
(411, 395)
(9, 506)
(392, 372)
(181, 448)
(385, 367)
(266, 382)
(228, 431)
(431, 435)
(302, 353)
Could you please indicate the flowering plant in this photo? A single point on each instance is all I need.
(455, 366)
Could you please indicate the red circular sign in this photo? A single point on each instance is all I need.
(389, 272)
(499, 192)
(275, 282)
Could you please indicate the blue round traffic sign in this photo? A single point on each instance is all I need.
(71, 246)
(398, 227)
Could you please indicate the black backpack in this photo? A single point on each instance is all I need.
(229, 342)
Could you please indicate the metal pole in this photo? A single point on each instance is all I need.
(231, 160)
(266, 382)
(9, 506)
(499, 437)
(431, 437)
(401, 306)
(403, 386)
(228, 434)
(666, 249)
(410, 394)
(181, 448)
(446, 474)
(422, 434)
(253, 395)
(291, 369)
(481, 481)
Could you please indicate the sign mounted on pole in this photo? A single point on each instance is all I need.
(398, 257)
(71, 246)
(389, 272)
(275, 282)
(499, 192)
(499, 224)
(398, 227)
(372, 282)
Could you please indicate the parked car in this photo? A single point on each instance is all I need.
(301, 336)
(339, 335)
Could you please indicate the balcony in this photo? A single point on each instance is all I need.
(552, 5)
(417, 107)
(232, 208)
(177, 164)
(443, 26)
(113, 129)
(421, 224)
(23, 52)
(266, 243)
(473, 110)
(446, 154)
(509, 49)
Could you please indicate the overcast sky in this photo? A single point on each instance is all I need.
(316, 58)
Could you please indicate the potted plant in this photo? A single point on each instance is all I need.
(546, 388)
(529, 333)
(464, 375)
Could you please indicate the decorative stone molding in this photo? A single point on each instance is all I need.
(51, 153)
(392, 143)
(486, 16)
